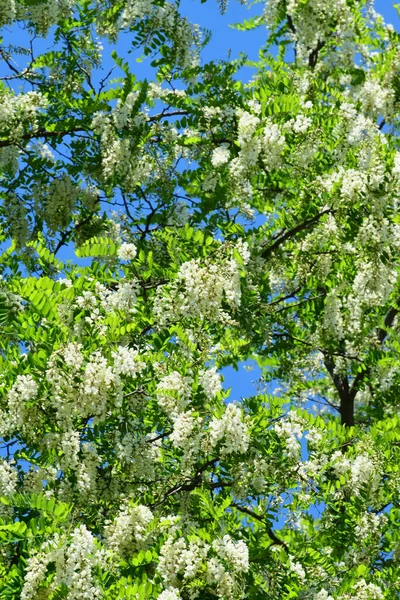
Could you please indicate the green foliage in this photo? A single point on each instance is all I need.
(208, 223)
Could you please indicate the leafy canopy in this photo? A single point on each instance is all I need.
(156, 230)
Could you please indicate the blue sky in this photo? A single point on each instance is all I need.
(225, 39)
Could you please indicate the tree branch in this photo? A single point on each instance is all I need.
(189, 484)
(271, 534)
(346, 398)
(313, 57)
(42, 133)
(381, 336)
(292, 232)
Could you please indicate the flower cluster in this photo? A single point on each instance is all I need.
(181, 557)
(121, 160)
(56, 202)
(210, 381)
(121, 298)
(173, 392)
(184, 426)
(8, 479)
(18, 221)
(322, 595)
(45, 14)
(88, 387)
(127, 533)
(35, 572)
(190, 558)
(250, 148)
(23, 391)
(76, 557)
(199, 291)
(236, 554)
(169, 594)
(363, 471)
(18, 112)
(333, 319)
(9, 159)
(127, 251)
(220, 156)
(75, 566)
(273, 145)
(364, 591)
(135, 10)
(291, 431)
(231, 429)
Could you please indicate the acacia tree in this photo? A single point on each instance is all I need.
(219, 222)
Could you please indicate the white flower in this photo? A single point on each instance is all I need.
(126, 362)
(215, 570)
(210, 381)
(127, 251)
(250, 145)
(396, 166)
(127, 533)
(322, 595)
(375, 99)
(169, 594)
(273, 145)
(35, 572)
(87, 300)
(184, 425)
(367, 591)
(235, 553)
(81, 557)
(301, 124)
(231, 429)
(124, 298)
(291, 431)
(242, 247)
(220, 156)
(56, 202)
(354, 183)
(135, 9)
(173, 392)
(66, 282)
(180, 557)
(368, 525)
(8, 479)
(363, 471)
(72, 355)
(333, 320)
(297, 568)
(24, 389)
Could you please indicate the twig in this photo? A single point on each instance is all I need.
(271, 534)
(292, 232)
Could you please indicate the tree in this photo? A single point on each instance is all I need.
(219, 222)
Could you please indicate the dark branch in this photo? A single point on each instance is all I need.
(346, 398)
(42, 133)
(292, 232)
(271, 534)
(382, 333)
(314, 54)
